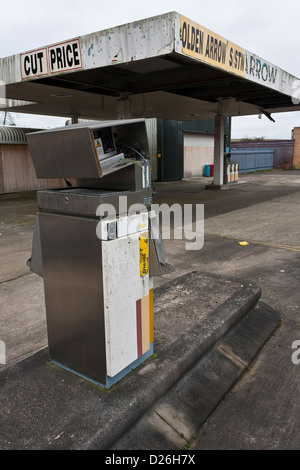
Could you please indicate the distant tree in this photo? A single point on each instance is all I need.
(251, 139)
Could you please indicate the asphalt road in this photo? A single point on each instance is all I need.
(262, 410)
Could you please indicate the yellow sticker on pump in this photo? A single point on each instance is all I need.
(144, 253)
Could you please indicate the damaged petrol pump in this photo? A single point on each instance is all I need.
(95, 248)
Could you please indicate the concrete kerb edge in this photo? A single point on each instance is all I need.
(187, 350)
(101, 427)
(158, 375)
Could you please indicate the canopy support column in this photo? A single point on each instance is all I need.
(219, 151)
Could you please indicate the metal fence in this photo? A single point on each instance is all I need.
(256, 159)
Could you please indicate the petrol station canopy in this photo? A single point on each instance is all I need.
(166, 67)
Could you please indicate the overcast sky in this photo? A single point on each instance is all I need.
(268, 28)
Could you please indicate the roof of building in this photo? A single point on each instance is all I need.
(14, 135)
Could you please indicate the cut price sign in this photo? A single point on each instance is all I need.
(58, 58)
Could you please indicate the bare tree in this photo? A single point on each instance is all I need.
(7, 119)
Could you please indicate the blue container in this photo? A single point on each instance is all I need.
(207, 170)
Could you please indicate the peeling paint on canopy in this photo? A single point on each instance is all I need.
(127, 70)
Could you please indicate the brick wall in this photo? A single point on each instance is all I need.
(296, 155)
